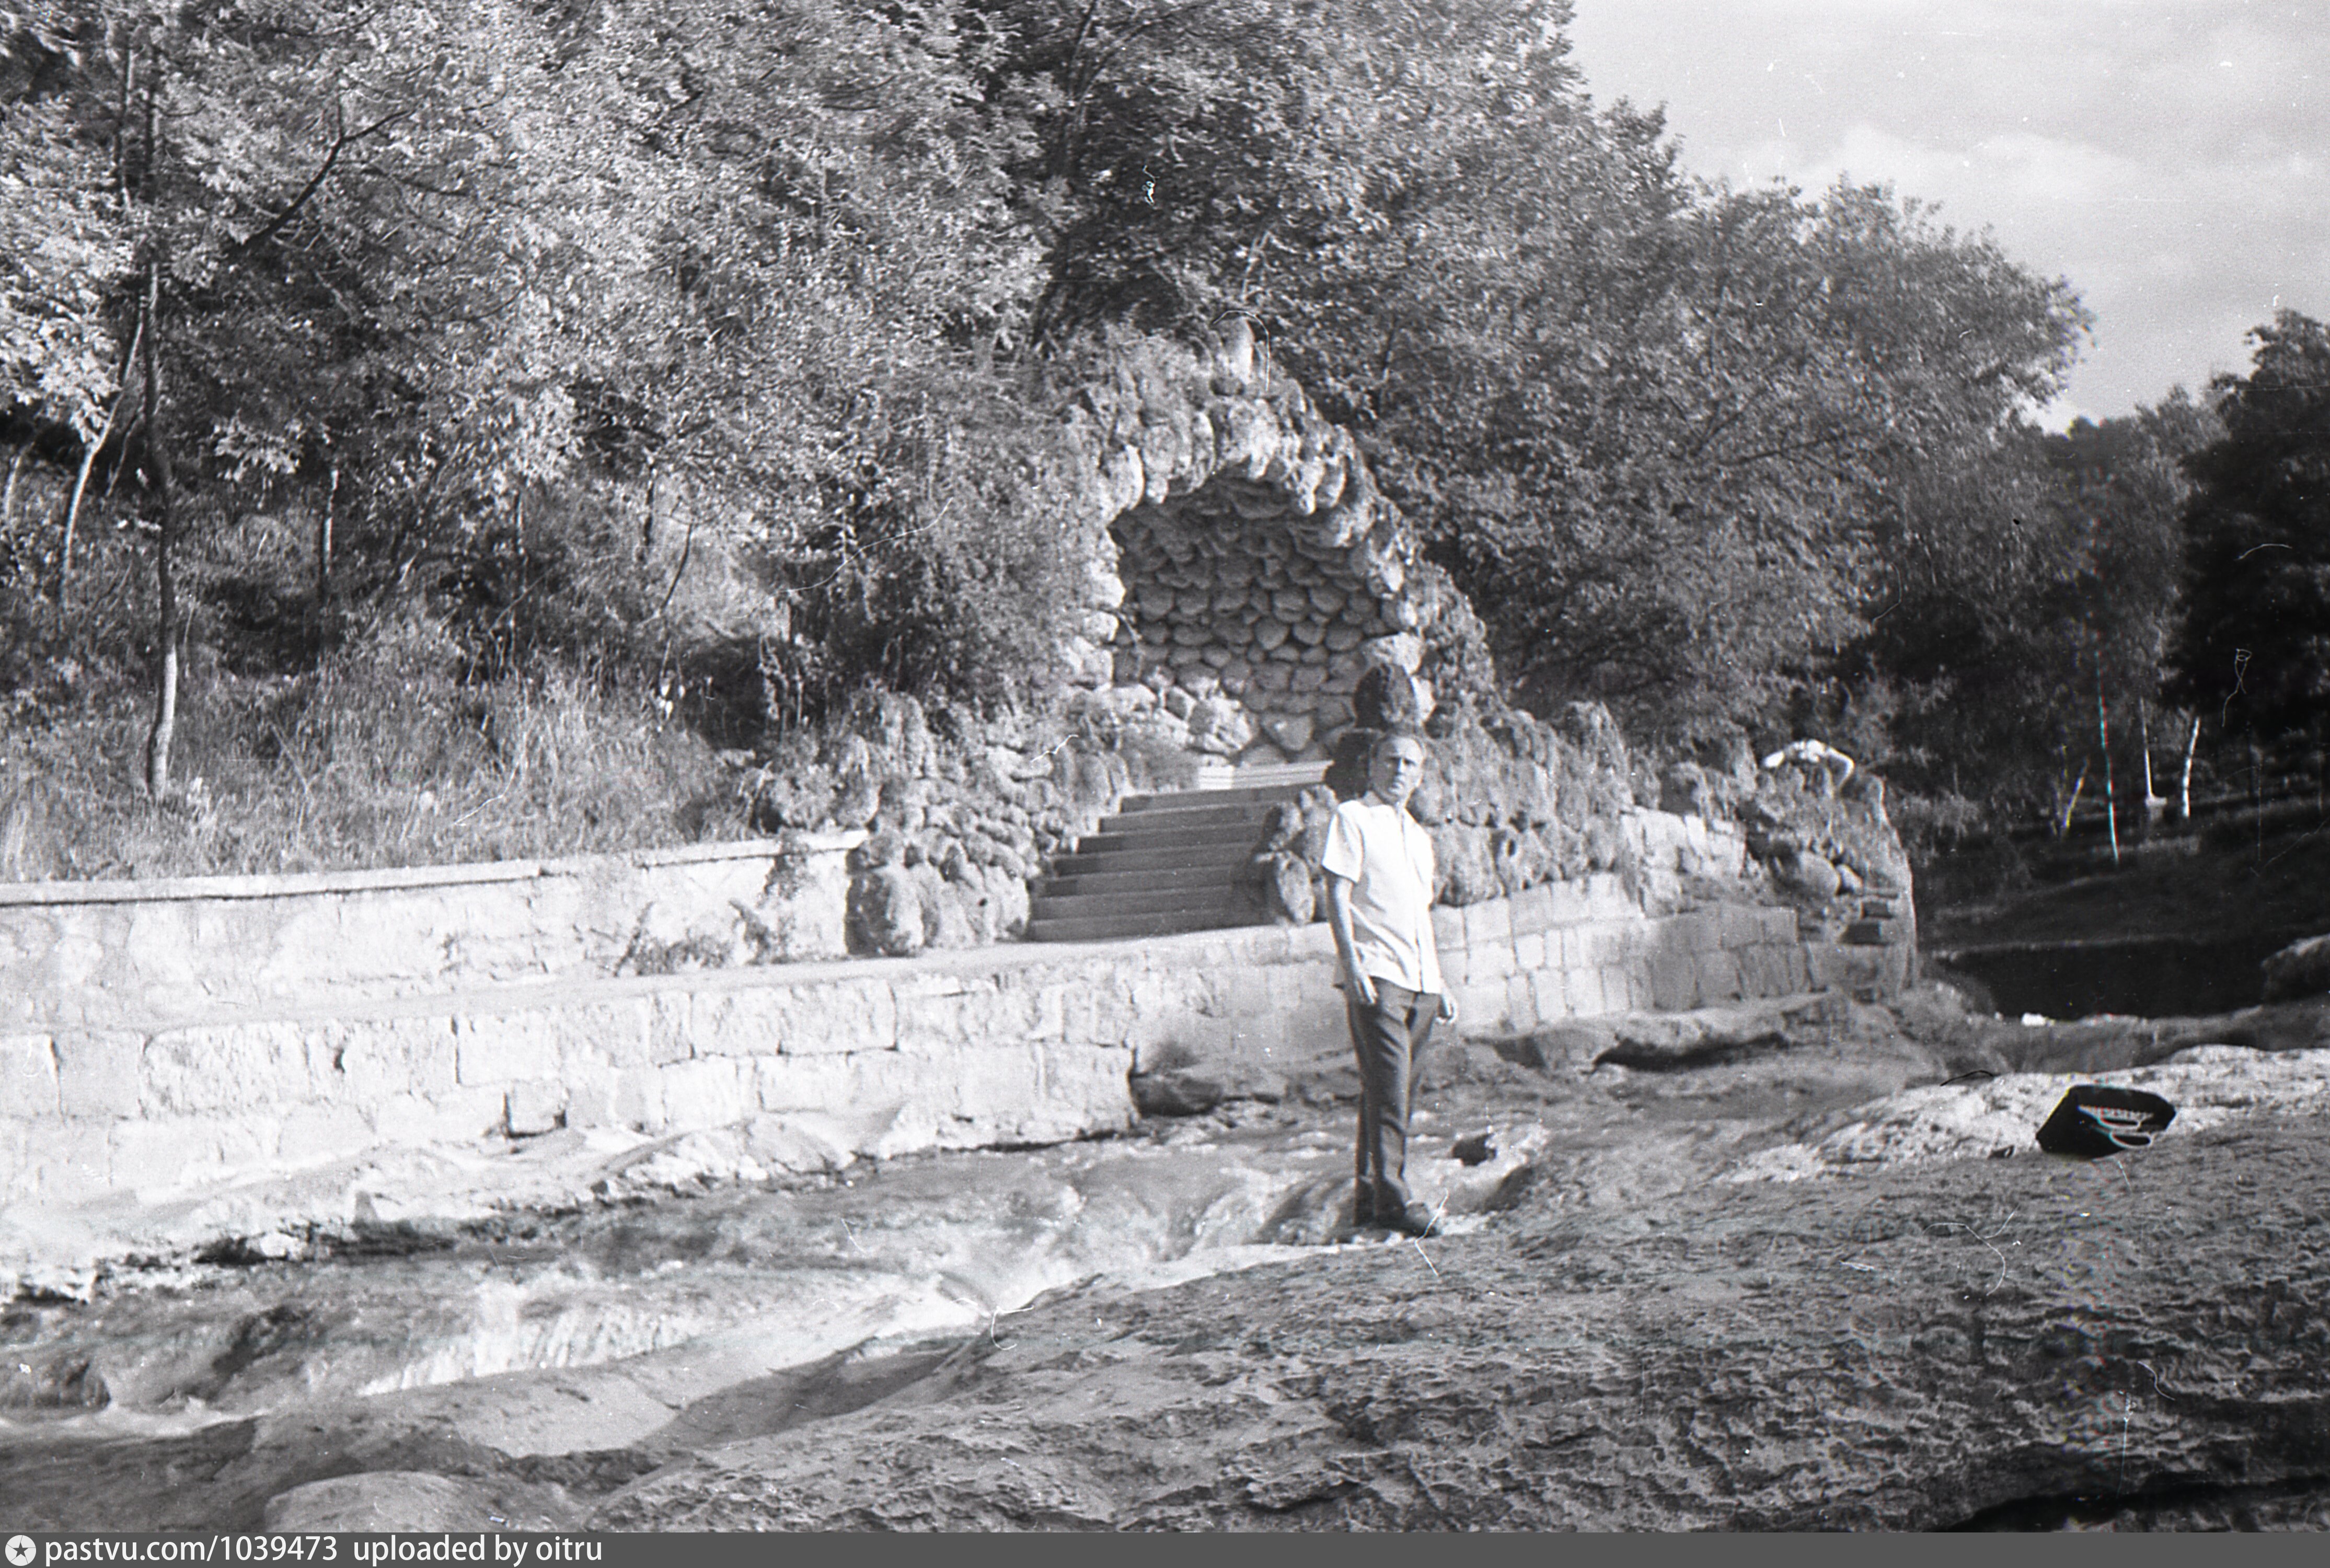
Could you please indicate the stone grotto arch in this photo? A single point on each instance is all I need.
(1248, 573)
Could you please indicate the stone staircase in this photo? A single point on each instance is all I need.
(1880, 924)
(1181, 862)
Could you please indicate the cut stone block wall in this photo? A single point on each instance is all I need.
(105, 955)
(981, 1046)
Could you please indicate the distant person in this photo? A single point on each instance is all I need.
(1822, 764)
(1381, 878)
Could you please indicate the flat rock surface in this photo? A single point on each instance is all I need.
(1912, 1349)
(405, 1502)
(1177, 1329)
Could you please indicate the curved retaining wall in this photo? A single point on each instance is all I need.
(263, 1061)
(1026, 1043)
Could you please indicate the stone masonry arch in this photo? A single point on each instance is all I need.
(1244, 558)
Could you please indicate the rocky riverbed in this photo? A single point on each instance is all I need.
(1789, 1265)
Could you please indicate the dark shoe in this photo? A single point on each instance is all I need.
(1415, 1220)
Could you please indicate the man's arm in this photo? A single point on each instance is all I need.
(1339, 919)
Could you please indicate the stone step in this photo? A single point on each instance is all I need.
(1108, 928)
(1237, 902)
(1264, 794)
(1237, 835)
(1182, 861)
(1173, 859)
(1295, 775)
(1876, 909)
(1247, 815)
(1868, 933)
(1227, 874)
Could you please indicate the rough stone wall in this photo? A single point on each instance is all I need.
(960, 812)
(1251, 597)
(1234, 592)
(1257, 571)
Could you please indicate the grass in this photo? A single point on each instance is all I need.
(2234, 879)
(380, 758)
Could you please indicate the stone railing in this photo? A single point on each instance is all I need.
(1016, 1043)
(127, 954)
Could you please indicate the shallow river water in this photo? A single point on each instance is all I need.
(767, 1275)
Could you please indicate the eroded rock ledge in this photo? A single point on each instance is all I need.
(1906, 1352)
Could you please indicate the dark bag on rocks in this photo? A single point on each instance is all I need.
(2095, 1120)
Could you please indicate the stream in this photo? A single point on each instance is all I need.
(762, 1275)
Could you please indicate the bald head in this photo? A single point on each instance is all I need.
(1395, 767)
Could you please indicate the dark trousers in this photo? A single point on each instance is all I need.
(1389, 1039)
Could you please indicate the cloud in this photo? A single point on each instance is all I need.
(2162, 156)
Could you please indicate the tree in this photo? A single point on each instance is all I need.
(2252, 654)
(1655, 429)
(474, 281)
(1690, 489)
(2032, 607)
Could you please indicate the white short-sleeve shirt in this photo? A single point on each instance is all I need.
(1387, 856)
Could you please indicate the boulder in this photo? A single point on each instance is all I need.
(1808, 873)
(1685, 790)
(885, 913)
(1467, 863)
(1603, 845)
(1293, 895)
(2300, 970)
(1178, 1092)
(1288, 732)
(1387, 698)
(1220, 726)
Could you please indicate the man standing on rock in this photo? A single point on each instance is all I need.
(1381, 878)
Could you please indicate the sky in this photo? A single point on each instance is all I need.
(2171, 158)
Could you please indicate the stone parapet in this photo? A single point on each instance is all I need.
(96, 955)
(956, 1049)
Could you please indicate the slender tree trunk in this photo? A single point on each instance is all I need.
(166, 575)
(89, 461)
(2063, 826)
(121, 120)
(2155, 808)
(2103, 743)
(324, 564)
(2184, 788)
(8, 496)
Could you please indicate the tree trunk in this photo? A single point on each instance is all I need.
(2103, 743)
(2155, 806)
(121, 118)
(324, 565)
(8, 496)
(166, 576)
(89, 461)
(2184, 789)
(2064, 825)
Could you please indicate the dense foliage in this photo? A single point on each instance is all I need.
(2254, 650)
(723, 351)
